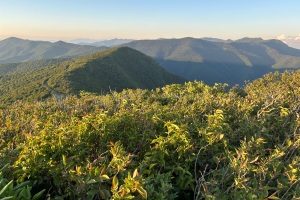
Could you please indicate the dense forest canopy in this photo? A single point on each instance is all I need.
(181, 141)
(113, 69)
(220, 61)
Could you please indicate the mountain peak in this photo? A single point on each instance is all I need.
(60, 42)
(15, 50)
(14, 38)
(247, 39)
(117, 68)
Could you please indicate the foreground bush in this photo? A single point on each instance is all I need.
(188, 141)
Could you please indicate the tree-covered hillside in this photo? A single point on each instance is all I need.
(13, 50)
(119, 68)
(23, 67)
(113, 69)
(212, 60)
(209, 59)
(189, 141)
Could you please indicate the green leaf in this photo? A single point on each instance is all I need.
(4, 167)
(6, 187)
(91, 181)
(21, 185)
(92, 193)
(152, 165)
(25, 193)
(265, 193)
(64, 160)
(208, 197)
(104, 177)
(115, 183)
(7, 198)
(215, 159)
(273, 197)
(142, 191)
(128, 196)
(38, 195)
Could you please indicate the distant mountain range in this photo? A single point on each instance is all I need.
(213, 60)
(208, 59)
(106, 43)
(14, 50)
(113, 69)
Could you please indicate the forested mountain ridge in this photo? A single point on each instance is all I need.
(113, 69)
(120, 68)
(13, 50)
(209, 59)
(23, 67)
(213, 60)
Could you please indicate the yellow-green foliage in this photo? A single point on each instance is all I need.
(189, 141)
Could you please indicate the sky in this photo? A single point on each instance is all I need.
(149, 19)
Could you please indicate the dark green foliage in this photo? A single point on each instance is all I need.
(19, 68)
(117, 69)
(25, 80)
(21, 191)
(114, 69)
(189, 141)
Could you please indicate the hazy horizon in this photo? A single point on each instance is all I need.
(95, 40)
(102, 20)
(289, 41)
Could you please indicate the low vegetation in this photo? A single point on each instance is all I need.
(189, 141)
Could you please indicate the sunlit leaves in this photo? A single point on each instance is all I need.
(189, 141)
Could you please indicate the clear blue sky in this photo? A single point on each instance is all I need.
(142, 19)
